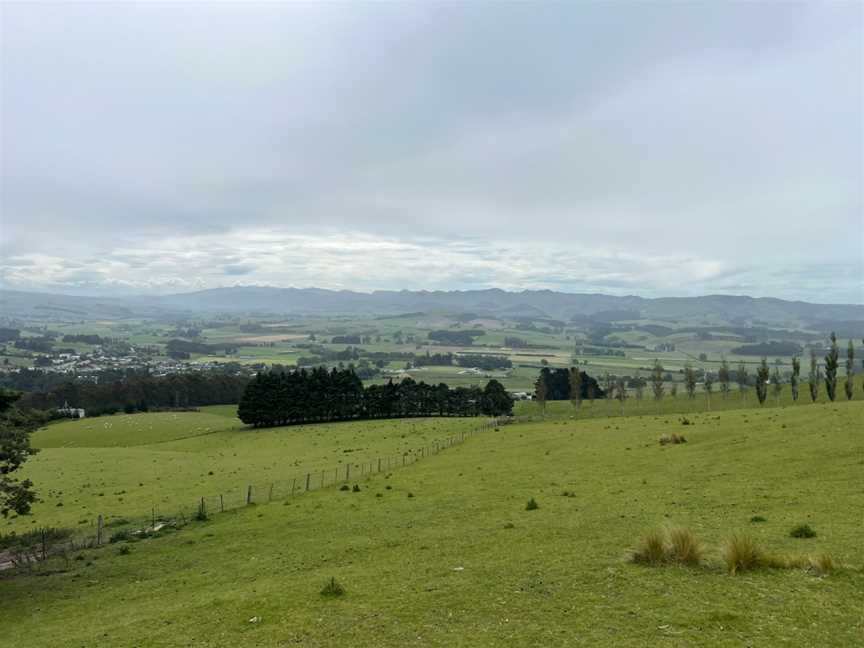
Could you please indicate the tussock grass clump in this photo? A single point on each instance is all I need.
(532, 505)
(333, 589)
(741, 553)
(672, 439)
(803, 531)
(356, 488)
(651, 549)
(684, 547)
(668, 546)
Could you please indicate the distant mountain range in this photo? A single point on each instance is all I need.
(535, 304)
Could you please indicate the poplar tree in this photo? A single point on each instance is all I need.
(850, 371)
(777, 384)
(609, 387)
(742, 378)
(723, 377)
(815, 376)
(540, 391)
(657, 381)
(794, 379)
(575, 388)
(690, 380)
(831, 363)
(621, 392)
(763, 374)
(709, 386)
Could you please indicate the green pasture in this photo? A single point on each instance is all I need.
(444, 552)
(127, 465)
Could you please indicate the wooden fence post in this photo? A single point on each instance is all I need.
(293, 486)
(99, 524)
(379, 464)
(308, 477)
(221, 504)
(347, 472)
(201, 510)
(270, 494)
(249, 494)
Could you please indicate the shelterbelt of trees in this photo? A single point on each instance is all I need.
(319, 395)
(130, 391)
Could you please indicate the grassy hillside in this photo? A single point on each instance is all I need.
(127, 465)
(443, 553)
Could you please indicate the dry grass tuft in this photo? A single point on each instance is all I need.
(651, 549)
(662, 546)
(684, 547)
(741, 553)
(821, 565)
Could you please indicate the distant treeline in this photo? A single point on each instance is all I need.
(456, 338)
(136, 391)
(82, 339)
(772, 348)
(557, 383)
(485, 362)
(319, 395)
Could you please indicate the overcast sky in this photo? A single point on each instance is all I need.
(651, 149)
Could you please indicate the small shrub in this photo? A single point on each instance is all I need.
(803, 531)
(651, 549)
(684, 547)
(509, 525)
(410, 494)
(532, 505)
(332, 589)
(673, 439)
(121, 536)
(741, 553)
(757, 518)
(356, 488)
(124, 550)
(344, 487)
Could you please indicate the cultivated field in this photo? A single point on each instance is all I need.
(444, 552)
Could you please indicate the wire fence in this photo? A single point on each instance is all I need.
(25, 551)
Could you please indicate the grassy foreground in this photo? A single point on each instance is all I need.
(462, 563)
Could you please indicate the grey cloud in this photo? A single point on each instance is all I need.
(726, 132)
(238, 269)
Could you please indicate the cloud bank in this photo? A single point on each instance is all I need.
(648, 149)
